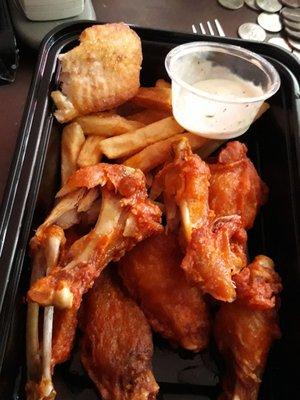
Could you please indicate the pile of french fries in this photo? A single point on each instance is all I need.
(139, 134)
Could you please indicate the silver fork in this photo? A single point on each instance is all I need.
(202, 30)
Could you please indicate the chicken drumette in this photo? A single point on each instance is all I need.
(174, 307)
(184, 183)
(117, 344)
(235, 187)
(211, 244)
(245, 329)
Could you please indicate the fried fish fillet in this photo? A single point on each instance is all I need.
(99, 74)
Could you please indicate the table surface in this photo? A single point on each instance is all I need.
(176, 15)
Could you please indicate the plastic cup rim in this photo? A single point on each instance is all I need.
(176, 52)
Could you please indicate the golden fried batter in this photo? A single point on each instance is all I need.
(117, 344)
(99, 74)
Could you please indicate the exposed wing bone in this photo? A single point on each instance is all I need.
(124, 203)
(184, 183)
(45, 247)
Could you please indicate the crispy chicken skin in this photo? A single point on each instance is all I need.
(126, 217)
(215, 253)
(245, 329)
(101, 73)
(184, 183)
(174, 308)
(235, 187)
(117, 343)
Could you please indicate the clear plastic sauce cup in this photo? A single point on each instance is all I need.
(217, 89)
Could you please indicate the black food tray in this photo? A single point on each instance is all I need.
(273, 143)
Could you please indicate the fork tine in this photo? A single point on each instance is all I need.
(211, 31)
(219, 28)
(194, 29)
(203, 31)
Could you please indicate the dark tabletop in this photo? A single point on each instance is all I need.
(177, 15)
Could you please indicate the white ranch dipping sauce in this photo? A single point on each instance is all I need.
(211, 112)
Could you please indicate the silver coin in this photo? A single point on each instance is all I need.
(296, 54)
(294, 43)
(280, 42)
(293, 34)
(270, 22)
(252, 4)
(251, 31)
(271, 6)
(291, 3)
(292, 14)
(291, 24)
(232, 4)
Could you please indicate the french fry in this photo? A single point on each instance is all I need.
(156, 98)
(148, 116)
(132, 142)
(71, 144)
(90, 153)
(157, 153)
(161, 83)
(107, 124)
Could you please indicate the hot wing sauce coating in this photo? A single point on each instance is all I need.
(174, 307)
(245, 329)
(235, 187)
(126, 217)
(184, 183)
(215, 253)
(117, 343)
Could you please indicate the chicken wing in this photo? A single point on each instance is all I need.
(117, 344)
(99, 74)
(126, 217)
(245, 329)
(215, 253)
(184, 183)
(174, 308)
(235, 187)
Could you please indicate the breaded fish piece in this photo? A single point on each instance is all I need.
(99, 74)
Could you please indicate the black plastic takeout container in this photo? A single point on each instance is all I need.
(273, 143)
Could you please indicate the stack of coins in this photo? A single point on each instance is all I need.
(274, 16)
(290, 15)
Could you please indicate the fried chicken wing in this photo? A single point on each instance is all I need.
(215, 253)
(174, 308)
(245, 329)
(117, 344)
(101, 73)
(235, 187)
(126, 217)
(184, 183)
